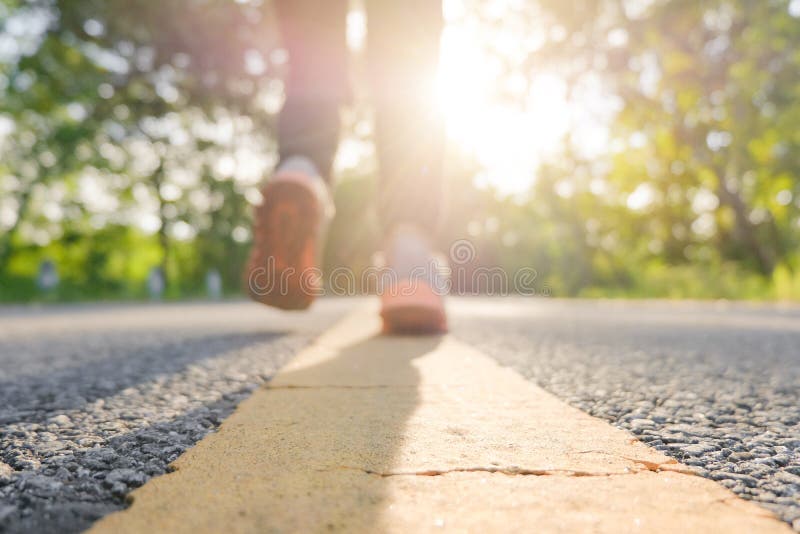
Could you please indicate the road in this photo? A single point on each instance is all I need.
(95, 400)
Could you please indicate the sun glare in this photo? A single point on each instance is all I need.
(508, 139)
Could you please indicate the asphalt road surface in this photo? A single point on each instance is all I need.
(716, 386)
(96, 400)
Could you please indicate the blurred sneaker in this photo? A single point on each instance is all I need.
(412, 302)
(288, 228)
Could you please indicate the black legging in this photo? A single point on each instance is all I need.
(402, 53)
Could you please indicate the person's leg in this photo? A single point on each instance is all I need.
(288, 225)
(403, 56)
(313, 33)
(403, 53)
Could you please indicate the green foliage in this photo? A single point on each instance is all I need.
(698, 192)
(134, 135)
(120, 115)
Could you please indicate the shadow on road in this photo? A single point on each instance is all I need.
(354, 429)
(305, 455)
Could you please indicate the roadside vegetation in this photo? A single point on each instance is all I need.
(134, 136)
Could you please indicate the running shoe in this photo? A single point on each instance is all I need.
(412, 297)
(288, 230)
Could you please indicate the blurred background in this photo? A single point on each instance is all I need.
(640, 148)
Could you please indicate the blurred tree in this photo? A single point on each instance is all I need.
(706, 131)
(133, 135)
(136, 114)
(702, 163)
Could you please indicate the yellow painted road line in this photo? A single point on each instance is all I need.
(381, 434)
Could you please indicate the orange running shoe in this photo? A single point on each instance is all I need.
(287, 232)
(412, 302)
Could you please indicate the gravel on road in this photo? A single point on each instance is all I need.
(96, 400)
(716, 386)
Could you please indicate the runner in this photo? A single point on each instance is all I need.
(402, 55)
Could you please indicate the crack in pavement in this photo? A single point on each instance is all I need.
(656, 467)
(520, 471)
(339, 386)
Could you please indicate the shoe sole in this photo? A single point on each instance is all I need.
(413, 309)
(413, 320)
(284, 250)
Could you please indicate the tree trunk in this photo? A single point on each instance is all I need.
(163, 238)
(745, 229)
(5, 243)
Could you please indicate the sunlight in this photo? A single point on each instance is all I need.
(507, 138)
